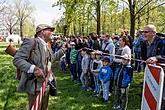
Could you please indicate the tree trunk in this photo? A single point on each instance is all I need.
(79, 26)
(82, 29)
(138, 22)
(123, 17)
(132, 17)
(104, 22)
(10, 30)
(98, 16)
(88, 24)
(74, 28)
(65, 30)
(132, 29)
(21, 29)
(148, 15)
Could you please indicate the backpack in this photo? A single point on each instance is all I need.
(12, 51)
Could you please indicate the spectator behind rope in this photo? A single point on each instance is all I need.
(104, 76)
(153, 47)
(137, 49)
(85, 42)
(108, 46)
(73, 61)
(94, 43)
(123, 78)
(84, 65)
(91, 60)
(123, 49)
(115, 39)
(130, 39)
(97, 63)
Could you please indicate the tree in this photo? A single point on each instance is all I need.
(10, 20)
(29, 28)
(135, 10)
(2, 6)
(23, 10)
(86, 16)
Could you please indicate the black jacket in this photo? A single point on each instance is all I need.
(158, 49)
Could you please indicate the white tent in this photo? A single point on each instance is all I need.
(13, 38)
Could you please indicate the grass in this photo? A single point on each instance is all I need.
(70, 97)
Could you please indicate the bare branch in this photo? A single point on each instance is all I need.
(2, 5)
(151, 9)
(143, 7)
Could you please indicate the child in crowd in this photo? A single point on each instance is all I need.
(84, 65)
(78, 65)
(104, 76)
(97, 63)
(123, 78)
(63, 63)
(92, 57)
(73, 61)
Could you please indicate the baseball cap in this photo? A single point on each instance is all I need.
(41, 27)
(106, 59)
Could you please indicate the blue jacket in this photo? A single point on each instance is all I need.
(137, 43)
(105, 73)
(123, 75)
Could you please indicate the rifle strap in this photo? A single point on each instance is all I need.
(35, 46)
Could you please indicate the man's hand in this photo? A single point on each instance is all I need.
(151, 60)
(38, 72)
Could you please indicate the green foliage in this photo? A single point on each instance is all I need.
(29, 29)
(80, 16)
(70, 97)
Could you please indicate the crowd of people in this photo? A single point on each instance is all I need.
(101, 64)
(97, 72)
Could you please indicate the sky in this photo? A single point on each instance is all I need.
(44, 12)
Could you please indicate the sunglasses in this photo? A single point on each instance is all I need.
(146, 31)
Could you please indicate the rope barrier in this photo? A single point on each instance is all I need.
(120, 56)
(38, 100)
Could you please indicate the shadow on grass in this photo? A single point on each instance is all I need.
(70, 97)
